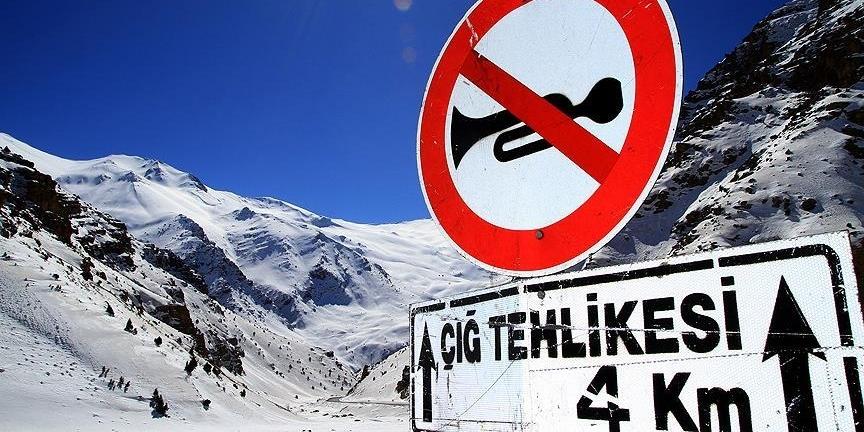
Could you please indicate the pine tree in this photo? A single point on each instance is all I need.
(191, 364)
(129, 327)
(158, 341)
(160, 407)
(86, 268)
(126, 387)
(109, 310)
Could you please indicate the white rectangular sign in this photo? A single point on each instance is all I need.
(758, 338)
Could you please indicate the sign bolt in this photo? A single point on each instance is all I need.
(538, 234)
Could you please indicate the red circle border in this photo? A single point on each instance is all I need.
(656, 58)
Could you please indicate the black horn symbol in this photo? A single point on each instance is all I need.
(602, 105)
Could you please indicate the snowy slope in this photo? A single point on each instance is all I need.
(63, 265)
(264, 257)
(387, 381)
(770, 144)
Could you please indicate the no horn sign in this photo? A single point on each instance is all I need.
(544, 126)
(759, 338)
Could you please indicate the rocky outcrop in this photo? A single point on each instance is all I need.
(175, 266)
(768, 144)
(221, 275)
(34, 197)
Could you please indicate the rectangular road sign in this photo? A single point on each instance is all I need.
(758, 338)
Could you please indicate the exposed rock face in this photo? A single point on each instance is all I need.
(325, 288)
(221, 351)
(34, 196)
(177, 316)
(769, 144)
(171, 263)
(185, 238)
(226, 354)
(109, 242)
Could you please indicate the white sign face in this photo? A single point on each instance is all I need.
(533, 192)
(759, 338)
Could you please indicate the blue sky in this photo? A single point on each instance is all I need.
(311, 101)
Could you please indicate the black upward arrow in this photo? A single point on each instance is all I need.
(792, 340)
(426, 362)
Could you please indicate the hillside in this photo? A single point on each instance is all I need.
(78, 294)
(770, 144)
(272, 261)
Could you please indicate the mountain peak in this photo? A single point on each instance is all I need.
(130, 177)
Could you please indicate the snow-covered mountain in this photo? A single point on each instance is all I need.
(770, 145)
(79, 295)
(343, 285)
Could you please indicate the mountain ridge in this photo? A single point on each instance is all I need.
(308, 272)
(749, 131)
(81, 293)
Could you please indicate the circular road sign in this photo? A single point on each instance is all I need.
(544, 125)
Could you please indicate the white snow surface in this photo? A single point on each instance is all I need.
(383, 379)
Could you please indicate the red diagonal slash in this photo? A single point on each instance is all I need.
(579, 145)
